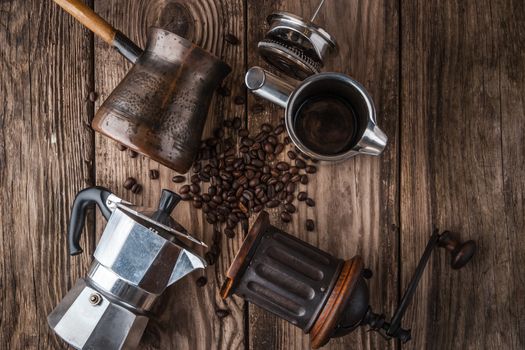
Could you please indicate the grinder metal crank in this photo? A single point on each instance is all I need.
(138, 256)
(325, 296)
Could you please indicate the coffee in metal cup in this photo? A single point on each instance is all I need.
(329, 116)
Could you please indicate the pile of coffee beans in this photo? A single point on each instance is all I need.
(234, 177)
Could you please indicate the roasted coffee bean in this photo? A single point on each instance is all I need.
(201, 281)
(292, 155)
(266, 128)
(294, 170)
(283, 195)
(310, 202)
(296, 178)
(279, 186)
(268, 147)
(278, 149)
(287, 140)
(239, 100)
(178, 179)
(311, 169)
(237, 123)
(121, 147)
(132, 153)
(261, 155)
(204, 177)
(286, 217)
(290, 198)
(194, 188)
(258, 163)
(211, 218)
(184, 189)
(247, 141)
(304, 179)
(186, 196)
(232, 39)
(210, 258)
(257, 109)
(194, 179)
(300, 163)
(290, 188)
(222, 313)
(218, 133)
(137, 188)
(197, 204)
(302, 196)
(273, 203)
(310, 225)
(289, 207)
(286, 178)
(128, 184)
(225, 92)
(279, 129)
(217, 199)
(272, 139)
(229, 233)
(206, 198)
(282, 166)
(243, 133)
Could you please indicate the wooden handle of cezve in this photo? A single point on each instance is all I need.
(101, 28)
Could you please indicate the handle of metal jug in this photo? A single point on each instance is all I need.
(269, 86)
(85, 198)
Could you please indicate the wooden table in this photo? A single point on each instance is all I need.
(448, 79)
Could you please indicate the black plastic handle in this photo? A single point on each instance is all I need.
(85, 198)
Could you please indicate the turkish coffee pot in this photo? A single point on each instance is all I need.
(139, 255)
(160, 108)
(325, 296)
(328, 116)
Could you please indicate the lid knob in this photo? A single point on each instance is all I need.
(168, 201)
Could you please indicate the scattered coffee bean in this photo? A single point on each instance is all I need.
(178, 179)
(210, 258)
(237, 122)
(310, 202)
(201, 281)
(128, 184)
(93, 96)
(302, 196)
(184, 189)
(154, 174)
(136, 189)
(229, 233)
(292, 155)
(310, 225)
(311, 169)
(231, 39)
(286, 217)
(222, 313)
(132, 153)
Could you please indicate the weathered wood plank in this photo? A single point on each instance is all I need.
(46, 156)
(463, 169)
(186, 315)
(357, 201)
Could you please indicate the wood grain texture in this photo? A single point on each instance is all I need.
(356, 210)
(463, 169)
(186, 315)
(46, 156)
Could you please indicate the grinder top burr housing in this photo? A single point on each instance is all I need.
(325, 296)
(138, 256)
(296, 46)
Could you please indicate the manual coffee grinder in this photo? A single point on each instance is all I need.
(325, 296)
(138, 256)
